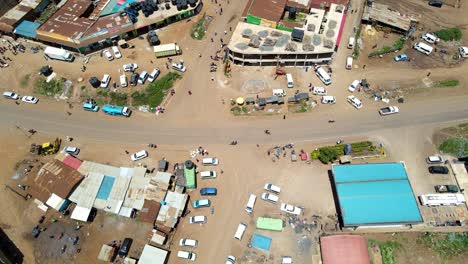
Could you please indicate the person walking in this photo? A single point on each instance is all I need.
(284, 117)
(428, 74)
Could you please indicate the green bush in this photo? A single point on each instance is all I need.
(455, 146)
(446, 245)
(449, 34)
(48, 88)
(314, 154)
(448, 83)
(399, 43)
(198, 29)
(155, 92)
(327, 155)
(118, 98)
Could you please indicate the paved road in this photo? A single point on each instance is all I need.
(312, 126)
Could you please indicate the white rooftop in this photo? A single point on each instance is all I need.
(153, 255)
(80, 213)
(85, 194)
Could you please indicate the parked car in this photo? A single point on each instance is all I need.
(125, 247)
(142, 78)
(11, 95)
(107, 54)
(210, 161)
(436, 3)
(389, 110)
(153, 75)
(134, 79)
(139, 155)
(208, 174)
(328, 99)
(230, 260)
(438, 170)
(105, 81)
(401, 57)
(430, 38)
(201, 203)
(208, 191)
(270, 197)
(286, 260)
(179, 67)
(30, 99)
(198, 219)
(290, 209)
(185, 242)
(434, 159)
(130, 67)
(354, 85)
(116, 51)
(187, 255)
(463, 52)
(123, 81)
(319, 91)
(71, 150)
(272, 188)
(446, 188)
(354, 101)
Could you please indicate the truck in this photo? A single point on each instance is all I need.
(58, 54)
(446, 188)
(166, 50)
(116, 110)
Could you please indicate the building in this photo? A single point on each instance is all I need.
(9, 252)
(381, 14)
(341, 249)
(374, 195)
(286, 33)
(85, 26)
(153, 255)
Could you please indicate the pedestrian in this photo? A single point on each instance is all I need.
(197, 160)
(221, 171)
(199, 55)
(225, 32)
(216, 34)
(69, 113)
(212, 79)
(230, 28)
(269, 153)
(428, 74)
(364, 66)
(257, 96)
(190, 92)
(151, 61)
(284, 117)
(167, 66)
(126, 152)
(17, 103)
(258, 145)
(211, 39)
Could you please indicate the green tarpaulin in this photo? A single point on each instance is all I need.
(269, 224)
(190, 180)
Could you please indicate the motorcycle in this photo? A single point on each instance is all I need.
(233, 143)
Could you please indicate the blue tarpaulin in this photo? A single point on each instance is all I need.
(106, 188)
(27, 29)
(261, 242)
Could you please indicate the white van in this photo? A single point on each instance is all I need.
(351, 41)
(187, 255)
(354, 101)
(210, 161)
(349, 63)
(463, 52)
(423, 47)
(153, 75)
(289, 80)
(123, 81)
(240, 231)
(279, 92)
(319, 91)
(250, 204)
(105, 81)
(328, 99)
(430, 38)
(323, 75)
(208, 174)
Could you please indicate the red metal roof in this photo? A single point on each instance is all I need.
(72, 162)
(344, 249)
(267, 9)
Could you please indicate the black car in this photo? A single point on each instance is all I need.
(436, 3)
(95, 82)
(438, 170)
(134, 79)
(125, 247)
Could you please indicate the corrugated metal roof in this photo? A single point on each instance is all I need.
(375, 194)
(267, 9)
(72, 162)
(135, 196)
(152, 255)
(344, 249)
(86, 192)
(149, 211)
(27, 29)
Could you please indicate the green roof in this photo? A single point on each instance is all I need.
(269, 224)
(190, 179)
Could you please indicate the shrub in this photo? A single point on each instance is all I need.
(314, 155)
(455, 146)
(449, 34)
(328, 155)
(448, 83)
(48, 88)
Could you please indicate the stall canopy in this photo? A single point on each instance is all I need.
(27, 29)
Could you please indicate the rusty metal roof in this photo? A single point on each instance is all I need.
(149, 212)
(55, 177)
(340, 249)
(267, 9)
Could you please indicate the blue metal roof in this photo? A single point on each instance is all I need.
(375, 194)
(27, 29)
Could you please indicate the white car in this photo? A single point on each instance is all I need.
(290, 209)
(434, 160)
(210, 161)
(354, 101)
(198, 219)
(30, 99)
(153, 75)
(208, 174)
(11, 95)
(270, 197)
(71, 150)
(185, 242)
(108, 55)
(130, 67)
(354, 85)
(142, 78)
(187, 255)
(179, 67)
(231, 260)
(286, 260)
(328, 99)
(272, 188)
(123, 81)
(389, 110)
(105, 81)
(116, 51)
(319, 91)
(430, 38)
(463, 52)
(139, 155)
